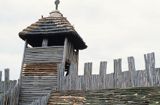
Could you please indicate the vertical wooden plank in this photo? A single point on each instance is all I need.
(60, 76)
(6, 75)
(102, 72)
(69, 84)
(95, 82)
(77, 83)
(69, 78)
(146, 58)
(25, 46)
(132, 71)
(74, 76)
(157, 77)
(76, 73)
(0, 76)
(117, 73)
(45, 43)
(65, 51)
(150, 67)
(6, 84)
(1, 87)
(110, 80)
(152, 63)
(1, 100)
(87, 76)
(61, 68)
(80, 82)
(126, 82)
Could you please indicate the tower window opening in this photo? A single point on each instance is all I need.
(67, 67)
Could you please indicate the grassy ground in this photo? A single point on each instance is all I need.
(132, 96)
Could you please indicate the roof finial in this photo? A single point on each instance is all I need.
(57, 3)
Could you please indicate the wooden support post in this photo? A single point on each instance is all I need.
(132, 71)
(65, 51)
(25, 46)
(102, 72)
(45, 43)
(117, 73)
(60, 69)
(6, 78)
(150, 67)
(0, 76)
(87, 76)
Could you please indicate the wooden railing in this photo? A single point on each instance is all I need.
(131, 78)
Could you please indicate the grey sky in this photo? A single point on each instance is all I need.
(111, 28)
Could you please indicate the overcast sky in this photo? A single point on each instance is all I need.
(111, 29)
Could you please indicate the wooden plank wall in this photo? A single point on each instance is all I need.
(41, 101)
(39, 72)
(131, 78)
(37, 80)
(72, 55)
(43, 54)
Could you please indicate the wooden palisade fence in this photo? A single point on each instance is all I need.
(131, 78)
(9, 90)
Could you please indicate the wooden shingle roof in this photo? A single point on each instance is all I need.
(53, 26)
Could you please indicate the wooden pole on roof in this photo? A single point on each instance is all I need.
(57, 3)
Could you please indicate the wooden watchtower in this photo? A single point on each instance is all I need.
(50, 42)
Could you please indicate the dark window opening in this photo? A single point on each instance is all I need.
(51, 41)
(34, 42)
(67, 67)
(56, 41)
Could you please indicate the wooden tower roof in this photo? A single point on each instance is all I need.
(53, 26)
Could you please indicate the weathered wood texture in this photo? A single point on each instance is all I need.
(131, 78)
(43, 54)
(10, 84)
(6, 79)
(40, 69)
(53, 26)
(37, 81)
(71, 56)
(9, 90)
(41, 101)
(150, 67)
(132, 71)
(71, 53)
(39, 73)
(118, 73)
